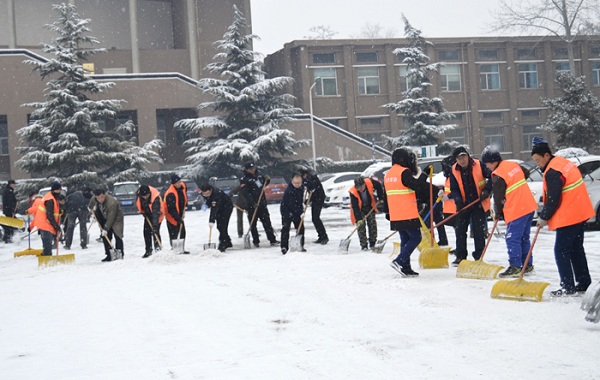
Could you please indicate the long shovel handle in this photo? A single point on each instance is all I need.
(256, 208)
(364, 219)
(390, 235)
(537, 232)
(304, 213)
(155, 235)
(456, 213)
(209, 234)
(431, 205)
(487, 243)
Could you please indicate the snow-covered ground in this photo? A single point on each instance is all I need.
(255, 314)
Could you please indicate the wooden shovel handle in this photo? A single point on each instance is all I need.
(456, 213)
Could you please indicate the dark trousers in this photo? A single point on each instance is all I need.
(438, 216)
(409, 240)
(150, 236)
(315, 210)
(570, 257)
(107, 245)
(285, 230)
(240, 222)
(8, 231)
(72, 219)
(48, 239)
(174, 232)
(222, 220)
(362, 231)
(263, 215)
(477, 218)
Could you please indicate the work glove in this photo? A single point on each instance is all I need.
(360, 223)
(267, 180)
(542, 223)
(104, 233)
(485, 194)
(302, 216)
(211, 224)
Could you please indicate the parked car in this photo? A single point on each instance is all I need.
(125, 193)
(193, 193)
(337, 186)
(226, 184)
(275, 189)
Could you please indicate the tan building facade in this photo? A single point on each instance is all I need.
(492, 85)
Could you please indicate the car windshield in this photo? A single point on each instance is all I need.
(191, 186)
(277, 181)
(125, 189)
(326, 176)
(226, 183)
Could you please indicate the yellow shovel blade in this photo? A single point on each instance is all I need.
(11, 222)
(50, 261)
(478, 270)
(395, 251)
(519, 290)
(433, 258)
(29, 252)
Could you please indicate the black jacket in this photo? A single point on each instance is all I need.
(554, 184)
(292, 204)
(313, 183)
(76, 202)
(219, 203)
(152, 213)
(378, 193)
(252, 185)
(9, 201)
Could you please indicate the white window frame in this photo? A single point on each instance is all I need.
(487, 76)
(529, 135)
(4, 148)
(596, 73)
(562, 69)
(528, 77)
(367, 81)
(447, 78)
(496, 139)
(326, 78)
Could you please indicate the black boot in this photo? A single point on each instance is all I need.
(147, 254)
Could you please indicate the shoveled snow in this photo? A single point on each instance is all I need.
(255, 314)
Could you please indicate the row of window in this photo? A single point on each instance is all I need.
(454, 55)
(449, 76)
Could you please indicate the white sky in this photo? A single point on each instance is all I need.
(277, 22)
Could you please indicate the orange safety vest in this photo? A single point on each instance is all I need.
(402, 201)
(33, 209)
(173, 190)
(449, 205)
(518, 200)
(153, 194)
(40, 220)
(354, 192)
(575, 205)
(480, 182)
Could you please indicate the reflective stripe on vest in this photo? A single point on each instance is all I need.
(402, 201)
(518, 200)
(41, 219)
(478, 178)
(353, 191)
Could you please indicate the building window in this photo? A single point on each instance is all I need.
(562, 67)
(456, 134)
(560, 52)
(458, 118)
(495, 136)
(491, 117)
(595, 51)
(368, 80)
(489, 76)
(124, 117)
(367, 57)
(450, 78)
(526, 53)
(488, 53)
(371, 123)
(528, 75)
(375, 137)
(404, 83)
(596, 73)
(529, 132)
(531, 115)
(3, 135)
(448, 55)
(326, 81)
(324, 58)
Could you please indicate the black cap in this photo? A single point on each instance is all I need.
(175, 178)
(55, 186)
(540, 146)
(490, 154)
(461, 150)
(359, 181)
(143, 190)
(249, 165)
(12, 182)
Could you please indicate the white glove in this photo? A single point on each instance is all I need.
(211, 225)
(445, 198)
(302, 216)
(104, 233)
(441, 193)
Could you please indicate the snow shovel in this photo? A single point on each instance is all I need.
(29, 251)
(179, 242)
(115, 254)
(296, 243)
(591, 303)
(345, 243)
(378, 248)
(210, 245)
(155, 235)
(50, 261)
(425, 234)
(519, 289)
(478, 269)
(12, 222)
(432, 256)
(247, 244)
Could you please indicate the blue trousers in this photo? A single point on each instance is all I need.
(517, 240)
(48, 238)
(409, 240)
(570, 257)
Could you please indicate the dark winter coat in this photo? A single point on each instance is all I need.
(469, 184)
(9, 201)
(76, 202)
(219, 203)
(554, 186)
(313, 183)
(252, 185)
(292, 204)
(172, 206)
(378, 193)
(419, 185)
(111, 212)
(240, 200)
(152, 213)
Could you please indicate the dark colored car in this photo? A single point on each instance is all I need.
(125, 193)
(226, 184)
(275, 189)
(195, 199)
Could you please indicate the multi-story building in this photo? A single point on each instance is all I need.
(493, 85)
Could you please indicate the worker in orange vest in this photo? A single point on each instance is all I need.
(150, 205)
(175, 204)
(567, 207)
(32, 210)
(47, 218)
(469, 183)
(514, 203)
(364, 196)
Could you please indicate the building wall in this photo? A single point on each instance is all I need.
(507, 113)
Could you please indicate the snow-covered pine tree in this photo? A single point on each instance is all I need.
(575, 115)
(242, 122)
(423, 115)
(64, 139)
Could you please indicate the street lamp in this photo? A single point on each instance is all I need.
(312, 124)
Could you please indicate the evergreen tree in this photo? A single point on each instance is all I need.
(64, 139)
(246, 112)
(575, 115)
(423, 114)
